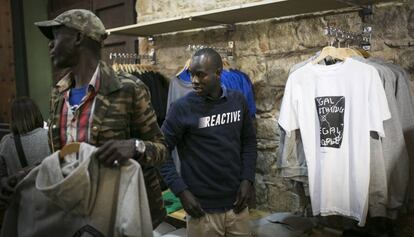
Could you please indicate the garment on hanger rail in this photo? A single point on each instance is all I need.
(157, 85)
(177, 89)
(390, 161)
(158, 88)
(335, 107)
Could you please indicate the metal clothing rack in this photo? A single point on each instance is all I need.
(363, 39)
(132, 57)
(228, 51)
(399, 45)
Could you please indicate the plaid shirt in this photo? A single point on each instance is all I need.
(75, 122)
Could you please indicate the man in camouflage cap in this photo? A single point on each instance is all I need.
(94, 104)
(82, 20)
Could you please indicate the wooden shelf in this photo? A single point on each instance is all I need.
(235, 14)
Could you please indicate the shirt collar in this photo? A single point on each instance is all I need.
(94, 82)
(223, 94)
(68, 81)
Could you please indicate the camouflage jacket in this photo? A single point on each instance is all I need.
(123, 110)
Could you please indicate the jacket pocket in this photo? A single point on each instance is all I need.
(113, 129)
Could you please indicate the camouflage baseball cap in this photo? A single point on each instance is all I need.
(80, 19)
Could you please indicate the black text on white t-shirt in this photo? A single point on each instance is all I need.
(331, 111)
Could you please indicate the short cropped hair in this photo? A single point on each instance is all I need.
(25, 116)
(215, 58)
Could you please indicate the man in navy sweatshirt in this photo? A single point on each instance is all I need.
(216, 142)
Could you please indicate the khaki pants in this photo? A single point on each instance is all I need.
(226, 224)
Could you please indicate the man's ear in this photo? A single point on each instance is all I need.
(79, 38)
(218, 72)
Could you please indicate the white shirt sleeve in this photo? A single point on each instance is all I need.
(288, 117)
(378, 105)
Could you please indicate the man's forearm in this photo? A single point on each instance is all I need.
(155, 152)
(171, 177)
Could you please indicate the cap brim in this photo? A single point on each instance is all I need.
(46, 27)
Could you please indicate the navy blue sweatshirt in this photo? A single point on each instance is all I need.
(216, 143)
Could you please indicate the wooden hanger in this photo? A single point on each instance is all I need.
(69, 149)
(186, 66)
(115, 67)
(139, 69)
(226, 64)
(121, 67)
(335, 53)
(356, 52)
(144, 68)
(130, 68)
(328, 51)
(363, 52)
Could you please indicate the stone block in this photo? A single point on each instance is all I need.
(278, 69)
(406, 60)
(266, 161)
(282, 37)
(268, 97)
(274, 195)
(263, 144)
(393, 23)
(410, 23)
(254, 67)
(251, 39)
(261, 191)
(284, 201)
(310, 33)
(266, 128)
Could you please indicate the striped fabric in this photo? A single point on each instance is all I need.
(75, 122)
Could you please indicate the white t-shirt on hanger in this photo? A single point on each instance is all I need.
(335, 107)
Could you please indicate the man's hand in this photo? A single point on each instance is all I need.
(190, 204)
(116, 150)
(243, 196)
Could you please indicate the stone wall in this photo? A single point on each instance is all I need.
(265, 50)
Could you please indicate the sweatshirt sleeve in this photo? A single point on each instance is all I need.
(173, 131)
(249, 146)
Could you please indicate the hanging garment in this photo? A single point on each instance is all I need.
(158, 88)
(405, 102)
(394, 148)
(389, 162)
(178, 88)
(292, 160)
(335, 107)
(292, 166)
(79, 197)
